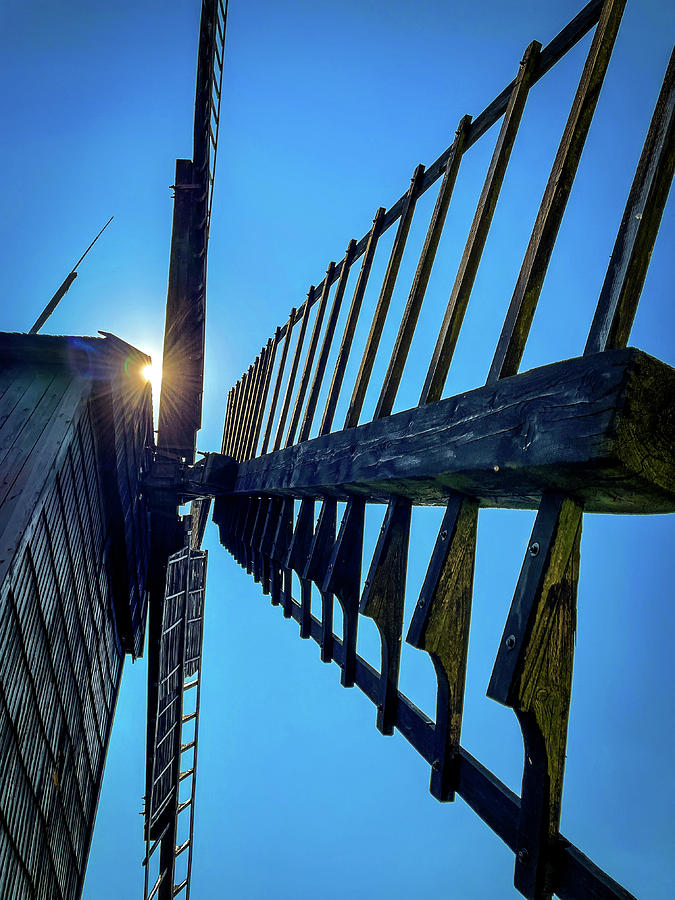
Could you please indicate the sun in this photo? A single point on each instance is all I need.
(147, 372)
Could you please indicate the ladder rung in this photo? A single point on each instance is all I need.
(189, 717)
(179, 887)
(182, 806)
(184, 747)
(190, 684)
(186, 774)
(182, 847)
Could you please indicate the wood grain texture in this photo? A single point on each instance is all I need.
(343, 579)
(533, 675)
(598, 428)
(383, 599)
(440, 625)
(516, 329)
(316, 569)
(632, 251)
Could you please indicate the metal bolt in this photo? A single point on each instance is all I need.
(367, 582)
(436, 765)
(444, 535)
(511, 642)
(534, 548)
(523, 856)
(421, 601)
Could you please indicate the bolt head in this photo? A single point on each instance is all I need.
(534, 548)
(444, 535)
(511, 642)
(523, 856)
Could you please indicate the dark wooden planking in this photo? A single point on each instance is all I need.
(440, 625)
(309, 359)
(468, 266)
(505, 444)
(277, 384)
(515, 331)
(383, 600)
(294, 369)
(183, 353)
(327, 341)
(350, 325)
(533, 675)
(392, 378)
(343, 579)
(383, 301)
(632, 251)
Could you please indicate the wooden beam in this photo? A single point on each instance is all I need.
(595, 428)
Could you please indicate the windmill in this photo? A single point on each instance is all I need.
(284, 468)
(277, 541)
(178, 566)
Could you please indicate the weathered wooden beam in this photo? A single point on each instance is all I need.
(598, 428)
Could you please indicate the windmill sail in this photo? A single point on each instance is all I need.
(170, 804)
(179, 420)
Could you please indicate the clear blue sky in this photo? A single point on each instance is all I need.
(327, 109)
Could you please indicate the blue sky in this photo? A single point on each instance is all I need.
(327, 110)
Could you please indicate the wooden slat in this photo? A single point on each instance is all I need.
(252, 405)
(468, 266)
(247, 386)
(515, 331)
(258, 404)
(392, 379)
(273, 343)
(234, 421)
(383, 301)
(294, 369)
(309, 360)
(327, 341)
(632, 251)
(277, 385)
(352, 319)
(228, 421)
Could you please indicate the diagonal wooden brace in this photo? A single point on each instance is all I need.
(297, 558)
(316, 568)
(343, 579)
(382, 600)
(533, 675)
(440, 625)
